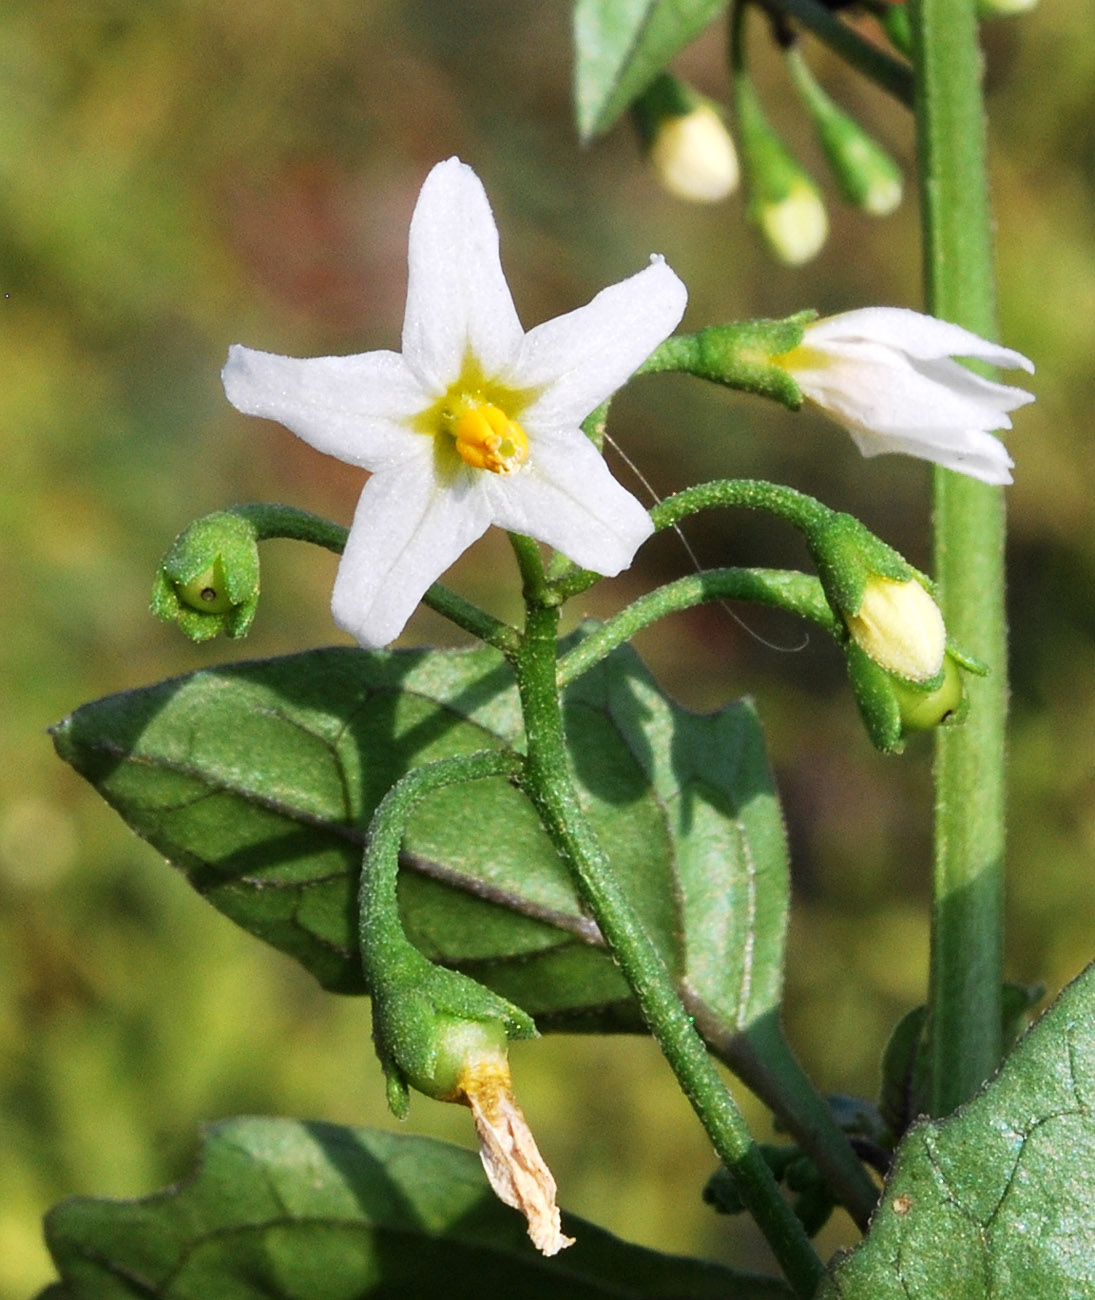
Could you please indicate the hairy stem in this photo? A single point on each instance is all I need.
(967, 921)
(548, 784)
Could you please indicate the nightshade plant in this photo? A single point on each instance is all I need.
(529, 835)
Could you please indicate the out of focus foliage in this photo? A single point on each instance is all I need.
(181, 175)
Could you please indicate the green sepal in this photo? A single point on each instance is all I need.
(743, 355)
(208, 582)
(878, 702)
(848, 555)
(430, 1023)
(667, 96)
(892, 707)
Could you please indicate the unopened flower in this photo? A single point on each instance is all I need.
(208, 582)
(794, 223)
(784, 202)
(694, 157)
(868, 177)
(685, 136)
(475, 422)
(888, 375)
(899, 626)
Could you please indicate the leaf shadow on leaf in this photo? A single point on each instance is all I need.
(257, 780)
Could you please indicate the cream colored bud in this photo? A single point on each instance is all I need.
(694, 157)
(796, 227)
(899, 626)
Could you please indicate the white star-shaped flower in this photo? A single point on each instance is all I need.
(475, 422)
(887, 375)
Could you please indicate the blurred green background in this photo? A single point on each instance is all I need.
(179, 175)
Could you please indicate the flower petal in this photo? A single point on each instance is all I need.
(458, 302)
(408, 528)
(867, 386)
(966, 383)
(355, 408)
(582, 358)
(569, 499)
(911, 332)
(971, 452)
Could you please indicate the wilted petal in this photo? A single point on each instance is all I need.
(458, 301)
(355, 408)
(570, 500)
(407, 530)
(511, 1159)
(581, 358)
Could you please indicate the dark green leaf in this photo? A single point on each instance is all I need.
(258, 781)
(621, 47)
(995, 1200)
(284, 1210)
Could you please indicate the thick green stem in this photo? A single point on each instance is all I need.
(548, 784)
(967, 922)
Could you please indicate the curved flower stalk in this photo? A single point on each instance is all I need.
(887, 375)
(475, 422)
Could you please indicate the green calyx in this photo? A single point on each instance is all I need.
(431, 1024)
(893, 708)
(848, 556)
(666, 97)
(208, 582)
(742, 355)
(905, 674)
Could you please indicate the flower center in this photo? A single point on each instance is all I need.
(486, 438)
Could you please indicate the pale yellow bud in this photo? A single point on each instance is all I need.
(694, 157)
(796, 227)
(899, 626)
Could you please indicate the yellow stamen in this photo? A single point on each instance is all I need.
(486, 438)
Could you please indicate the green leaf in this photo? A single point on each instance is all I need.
(286, 1210)
(622, 46)
(996, 1199)
(258, 780)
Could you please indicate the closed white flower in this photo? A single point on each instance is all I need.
(888, 376)
(475, 422)
(694, 156)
